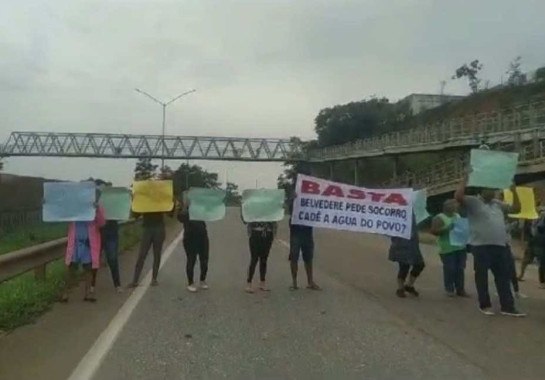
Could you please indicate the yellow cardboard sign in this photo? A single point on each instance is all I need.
(152, 196)
(527, 202)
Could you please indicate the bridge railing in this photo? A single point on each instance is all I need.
(522, 116)
(108, 145)
(445, 175)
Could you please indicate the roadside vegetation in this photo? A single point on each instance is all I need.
(31, 235)
(23, 298)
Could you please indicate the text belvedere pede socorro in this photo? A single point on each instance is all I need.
(327, 204)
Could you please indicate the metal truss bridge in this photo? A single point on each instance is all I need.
(105, 145)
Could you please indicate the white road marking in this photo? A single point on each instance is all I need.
(284, 243)
(92, 360)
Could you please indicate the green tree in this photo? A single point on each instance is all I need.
(144, 169)
(470, 72)
(515, 76)
(187, 176)
(232, 196)
(540, 74)
(358, 120)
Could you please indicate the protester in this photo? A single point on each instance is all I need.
(511, 265)
(153, 235)
(489, 245)
(453, 256)
(196, 244)
(261, 237)
(536, 248)
(83, 248)
(301, 242)
(406, 252)
(529, 251)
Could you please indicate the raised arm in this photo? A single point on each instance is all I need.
(460, 193)
(515, 207)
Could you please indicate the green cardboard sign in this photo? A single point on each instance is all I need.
(207, 205)
(116, 202)
(492, 169)
(263, 205)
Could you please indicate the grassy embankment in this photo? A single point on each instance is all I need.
(23, 299)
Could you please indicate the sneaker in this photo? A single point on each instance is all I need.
(192, 288)
(411, 290)
(513, 313)
(204, 285)
(401, 293)
(119, 289)
(154, 283)
(450, 294)
(463, 294)
(487, 311)
(249, 289)
(542, 285)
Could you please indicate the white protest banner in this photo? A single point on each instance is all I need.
(326, 204)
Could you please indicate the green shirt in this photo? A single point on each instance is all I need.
(445, 247)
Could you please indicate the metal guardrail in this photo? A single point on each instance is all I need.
(454, 132)
(35, 258)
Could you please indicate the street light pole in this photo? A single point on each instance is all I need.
(164, 105)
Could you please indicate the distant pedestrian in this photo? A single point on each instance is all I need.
(489, 245)
(196, 245)
(406, 252)
(453, 256)
(261, 236)
(153, 236)
(301, 243)
(510, 257)
(83, 249)
(536, 248)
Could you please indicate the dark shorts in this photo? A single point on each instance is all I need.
(301, 243)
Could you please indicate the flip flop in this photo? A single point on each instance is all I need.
(314, 287)
(294, 288)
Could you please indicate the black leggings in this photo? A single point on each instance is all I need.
(196, 246)
(405, 268)
(260, 246)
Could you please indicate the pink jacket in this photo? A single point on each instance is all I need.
(94, 239)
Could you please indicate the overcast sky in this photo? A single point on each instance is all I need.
(261, 68)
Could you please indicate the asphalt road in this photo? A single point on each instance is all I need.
(354, 329)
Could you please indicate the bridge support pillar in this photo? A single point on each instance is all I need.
(356, 173)
(536, 148)
(395, 170)
(518, 143)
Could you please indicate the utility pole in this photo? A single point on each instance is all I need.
(164, 105)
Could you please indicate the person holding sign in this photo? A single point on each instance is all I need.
(151, 201)
(83, 248)
(196, 244)
(153, 237)
(488, 241)
(452, 255)
(301, 242)
(110, 231)
(261, 236)
(406, 252)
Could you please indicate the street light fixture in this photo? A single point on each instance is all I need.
(164, 105)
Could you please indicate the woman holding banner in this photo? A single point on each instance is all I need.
(196, 244)
(83, 248)
(261, 236)
(406, 252)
